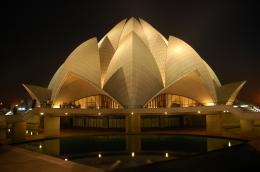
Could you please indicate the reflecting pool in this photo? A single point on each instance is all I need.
(123, 151)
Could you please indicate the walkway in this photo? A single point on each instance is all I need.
(14, 159)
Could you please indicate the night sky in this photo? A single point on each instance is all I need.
(39, 36)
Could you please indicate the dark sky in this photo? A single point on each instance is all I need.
(39, 35)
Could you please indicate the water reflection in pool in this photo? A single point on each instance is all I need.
(110, 152)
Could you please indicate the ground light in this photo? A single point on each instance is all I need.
(148, 161)
(210, 104)
(229, 144)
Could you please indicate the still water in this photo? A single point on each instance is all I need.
(112, 152)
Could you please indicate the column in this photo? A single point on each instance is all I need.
(3, 134)
(3, 128)
(213, 124)
(246, 125)
(51, 125)
(19, 130)
(133, 143)
(133, 123)
(105, 121)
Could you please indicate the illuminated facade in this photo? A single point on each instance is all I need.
(134, 66)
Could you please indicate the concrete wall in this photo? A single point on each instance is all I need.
(3, 134)
(133, 123)
(19, 130)
(51, 125)
(229, 121)
(213, 124)
(246, 125)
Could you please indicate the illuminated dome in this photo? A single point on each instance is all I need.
(132, 65)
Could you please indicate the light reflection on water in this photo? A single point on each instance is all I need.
(110, 152)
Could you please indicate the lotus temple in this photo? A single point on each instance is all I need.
(134, 80)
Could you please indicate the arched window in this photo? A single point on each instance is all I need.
(169, 100)
(96, 102)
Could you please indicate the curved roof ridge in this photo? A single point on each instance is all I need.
(85, 60)
(106, 52)
(54, 78)
(114, 34)
(137, 67)
(228, 92)
(146, 26)
(40, 94)
(129, 36)
(133, 25)
(182, 58)
(212, 74)
(69, 90)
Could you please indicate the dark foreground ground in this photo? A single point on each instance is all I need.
(15, 159)
(237, 158)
